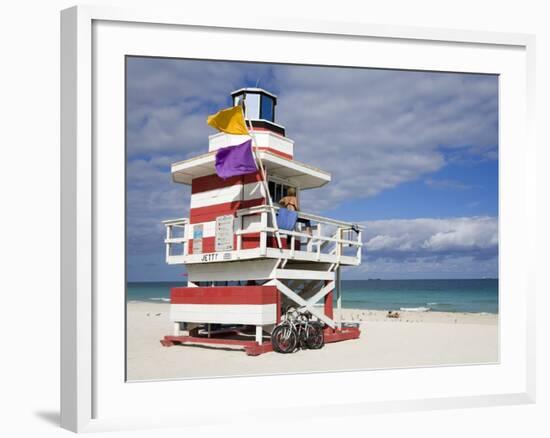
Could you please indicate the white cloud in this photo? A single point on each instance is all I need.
(445, 184)
(463, 247)
(431, 236)
(169, 99)
(426, 267)
(377, 129)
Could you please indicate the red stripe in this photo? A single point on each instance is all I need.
(221, 341)
(212, 182)
(211, 212)
(259, 128)
(252, 240)
(249, 241)
(224, 295)
(208, 245)
(275, 152)
(285, 243)
(341, 335)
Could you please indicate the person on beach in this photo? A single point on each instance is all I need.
(290, 201)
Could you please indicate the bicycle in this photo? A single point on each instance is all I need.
(297, 331)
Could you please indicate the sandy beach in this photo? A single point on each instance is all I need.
(415, 339)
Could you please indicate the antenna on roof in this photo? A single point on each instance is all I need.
(257, 82)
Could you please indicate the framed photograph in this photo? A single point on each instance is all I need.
(252, 205)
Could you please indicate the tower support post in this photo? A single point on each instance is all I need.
(338, 299)
(259, 334)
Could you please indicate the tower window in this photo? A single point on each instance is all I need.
(267, 109)
(277, 190)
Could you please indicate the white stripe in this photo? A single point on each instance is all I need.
(253, 190)
(248, 270)
(223, 195)
(265, 139)
(208, 229)
(252, 224)
(282, 144)
(217, 196)
(253, 314)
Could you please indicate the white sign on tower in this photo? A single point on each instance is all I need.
(224, 233)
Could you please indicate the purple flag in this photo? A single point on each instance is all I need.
(235, 160)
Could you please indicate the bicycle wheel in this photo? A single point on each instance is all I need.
(315, 338)
(284, 339)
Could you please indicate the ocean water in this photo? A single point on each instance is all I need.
(474, 296)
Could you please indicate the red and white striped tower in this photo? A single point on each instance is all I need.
(239, 278)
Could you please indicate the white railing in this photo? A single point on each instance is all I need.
(327, 235)
(328, 242)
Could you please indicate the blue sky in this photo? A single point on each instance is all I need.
(413, 155)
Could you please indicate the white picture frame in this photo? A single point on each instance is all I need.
(93, 396)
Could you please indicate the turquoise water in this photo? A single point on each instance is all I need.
(436, 295)
(421, 295)
(151, 291)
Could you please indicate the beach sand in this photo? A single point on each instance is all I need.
(416, 339)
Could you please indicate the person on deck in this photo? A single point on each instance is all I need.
(290, 201)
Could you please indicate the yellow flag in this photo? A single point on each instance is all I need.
(230, 121)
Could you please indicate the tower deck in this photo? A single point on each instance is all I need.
(331, 241)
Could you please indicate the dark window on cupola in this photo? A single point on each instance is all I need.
(267, 109)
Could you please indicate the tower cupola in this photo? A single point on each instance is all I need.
(259, 107)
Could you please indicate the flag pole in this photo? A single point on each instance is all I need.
(264, 179)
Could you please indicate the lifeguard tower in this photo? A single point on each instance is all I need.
(242, 270)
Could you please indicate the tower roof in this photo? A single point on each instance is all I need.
(300, 174)
(253, 90)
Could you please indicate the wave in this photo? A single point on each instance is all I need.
(166, 300)
(414, 309)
